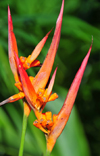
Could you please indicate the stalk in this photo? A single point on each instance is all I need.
(24, 125)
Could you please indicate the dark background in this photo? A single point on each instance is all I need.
(32, 19)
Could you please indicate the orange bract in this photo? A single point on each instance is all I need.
(42, 76)
(65, 111)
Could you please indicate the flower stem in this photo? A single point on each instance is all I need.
(23, 135)
(47, 153)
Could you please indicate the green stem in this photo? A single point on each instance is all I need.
(47, 153)
(23, 135)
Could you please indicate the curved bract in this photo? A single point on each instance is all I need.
(65, 111)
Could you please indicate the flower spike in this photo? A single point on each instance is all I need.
(65, 111)
(42, 76)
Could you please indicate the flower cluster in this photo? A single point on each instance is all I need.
(33, 90)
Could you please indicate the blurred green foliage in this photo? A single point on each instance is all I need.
(32, 19)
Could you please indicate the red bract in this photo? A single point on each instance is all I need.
(12, 46)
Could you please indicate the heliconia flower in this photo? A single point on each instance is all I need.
(27, 85)
(34, 88)
(53, 126)
(41, 79)
(12, 47)
(28, 62)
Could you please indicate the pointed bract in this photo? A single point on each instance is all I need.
(35, 52)
(12, 46)
(64, 113)
(42, 77)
